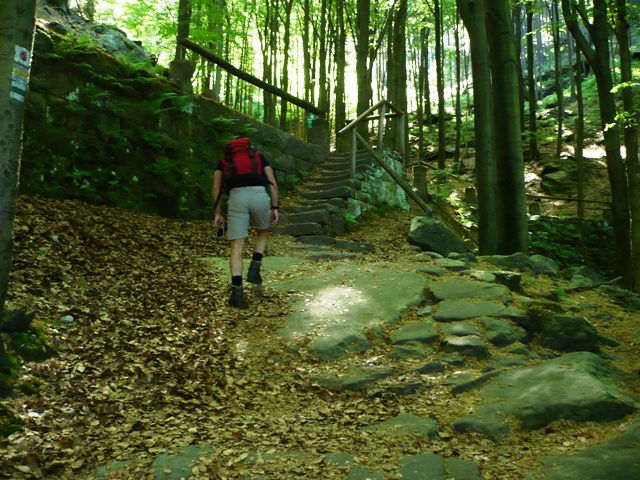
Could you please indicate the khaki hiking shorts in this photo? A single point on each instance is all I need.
(247, 203)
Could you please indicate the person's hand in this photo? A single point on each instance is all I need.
(274, 216)
(219, 220)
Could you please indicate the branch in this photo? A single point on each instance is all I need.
(250, 78)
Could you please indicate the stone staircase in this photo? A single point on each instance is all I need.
(324, 201)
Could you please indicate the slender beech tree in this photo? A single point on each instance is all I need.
(596, 52)
(517, 20)
(442, 152)
(472, 13)
(630, 120)
(363, 38)
(512, 201)
(579, 126)
(323, 38)
(554, 14)
(284, 71)
(341, 62)
(397, 71)
(17, 26)
(458, 105)
(534, 153)
(184, 24)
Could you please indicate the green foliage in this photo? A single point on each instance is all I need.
(9, 423)
(570, 244)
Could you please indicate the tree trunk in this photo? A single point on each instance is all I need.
(440, 85)
(422, 88)
(306, 50)
(472, 14)
(512, 201)
(362, 62)
(341, 62)
(323, 90)
(630, 137)
(598, 58)
(458, 100)
(184, 23)
(517, 20)
(17, 26)
(555, 25)
(397, 68)
(534, 154)
(580, 133)
(284, 78)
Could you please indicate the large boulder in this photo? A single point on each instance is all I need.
(432, 235)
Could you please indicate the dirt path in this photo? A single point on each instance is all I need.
(155, 361)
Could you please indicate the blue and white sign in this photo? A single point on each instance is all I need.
(20, 73)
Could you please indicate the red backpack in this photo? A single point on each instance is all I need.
(240, 158)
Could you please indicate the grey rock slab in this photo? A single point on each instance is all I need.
(469, 346)
(536, 264)
(358, 247)
(502, 333)
(460, 329)
(431, 234)
(426, 466)
(463, 309)
(433, 271)
(616, 459)
(451, 265)
(320, 240)
(404, 424)
(348, 298)
(355, 379)
(460, 469)
(462, 287)
(424, 332)
(431, 367)
(578, 386)
(569, 333)
(299, 229)
(334, 342)
(411, 351)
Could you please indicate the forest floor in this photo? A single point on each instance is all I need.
(154, 360)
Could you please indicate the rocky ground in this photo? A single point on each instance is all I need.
(156, 377)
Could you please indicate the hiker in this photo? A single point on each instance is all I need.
(253, 194)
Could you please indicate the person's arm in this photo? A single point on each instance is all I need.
(216, 196)
(273, 193)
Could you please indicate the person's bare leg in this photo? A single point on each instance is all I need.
(260, 245)
(235, 261)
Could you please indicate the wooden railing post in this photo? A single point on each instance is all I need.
(403, 142)
(354, 151)
(383, 114)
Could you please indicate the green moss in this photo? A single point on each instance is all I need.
(9, 423)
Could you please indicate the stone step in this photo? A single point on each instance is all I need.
(299, 229)
(339, 167)
(343, 155)
(333, 205)
(338, 192)
(355, 184)
(322, 216)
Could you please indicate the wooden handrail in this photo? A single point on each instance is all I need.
(362, 116)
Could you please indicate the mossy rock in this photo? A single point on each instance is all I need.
(9, 423)
(29, 347)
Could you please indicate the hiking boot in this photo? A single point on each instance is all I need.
(253, 275)
(237, 297)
